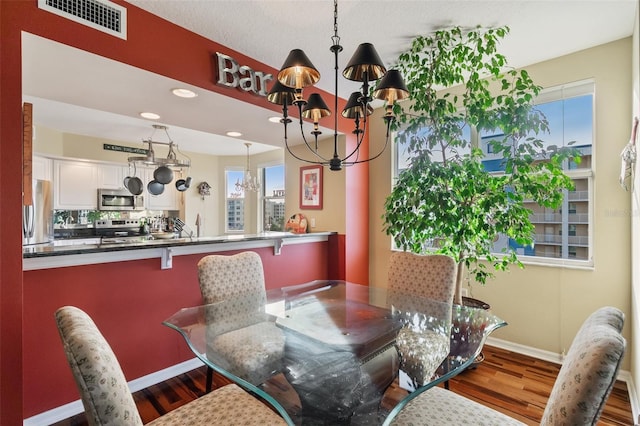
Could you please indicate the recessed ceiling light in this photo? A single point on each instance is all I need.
(234, 134)
(184, 93)
(275, 119)
(149, 115)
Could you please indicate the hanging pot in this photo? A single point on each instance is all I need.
(183, 184)
(134, 185)
(155, 188)
(163, 174)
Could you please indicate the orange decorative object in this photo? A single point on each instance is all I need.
(296, 224)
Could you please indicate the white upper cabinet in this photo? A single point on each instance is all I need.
(111, 176)
(41, 168)
(75, 185)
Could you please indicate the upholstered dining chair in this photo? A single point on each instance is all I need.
(578, 396)
(419, 279)
(252, 346)
(105, 393)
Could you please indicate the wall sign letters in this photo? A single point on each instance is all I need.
(233, 75)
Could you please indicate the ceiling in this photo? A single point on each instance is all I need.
(78, 92)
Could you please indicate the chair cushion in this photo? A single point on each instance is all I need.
(438, 406)
(253, 353)
(229, 405)
(421, 353)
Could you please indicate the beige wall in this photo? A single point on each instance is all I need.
(634, 319)
(331, 217)
(544, 306)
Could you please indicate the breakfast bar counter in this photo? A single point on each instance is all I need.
(140, 284)
(52, 255)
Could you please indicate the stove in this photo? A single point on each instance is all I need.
(117, 228)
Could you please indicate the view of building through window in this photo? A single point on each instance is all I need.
(563, 233)
(273, 198)
(235, 202)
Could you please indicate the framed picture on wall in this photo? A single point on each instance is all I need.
(311, 187)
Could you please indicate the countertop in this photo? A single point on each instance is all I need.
(50, 249)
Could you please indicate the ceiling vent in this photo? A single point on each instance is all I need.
(102, 15)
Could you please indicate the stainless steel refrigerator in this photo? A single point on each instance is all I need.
(37, 219)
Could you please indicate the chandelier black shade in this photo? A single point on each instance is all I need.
(298, 71)
(365, 66)
(354, 108)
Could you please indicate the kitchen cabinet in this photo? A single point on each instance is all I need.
(41, 168)
(111, 176)
(170, 199)
(75, 185)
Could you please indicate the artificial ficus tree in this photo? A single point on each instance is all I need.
(447, 200)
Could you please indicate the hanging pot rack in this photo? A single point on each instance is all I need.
(171, 160)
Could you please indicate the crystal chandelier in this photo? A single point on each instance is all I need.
(365, 66)
(249, 183)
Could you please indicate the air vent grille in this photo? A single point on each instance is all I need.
(99, 14)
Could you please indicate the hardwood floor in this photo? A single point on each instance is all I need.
(514, 384)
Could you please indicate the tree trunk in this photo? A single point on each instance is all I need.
(457, 296)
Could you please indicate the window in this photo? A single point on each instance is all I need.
(273, 207)
(234, 220)
(564, 233)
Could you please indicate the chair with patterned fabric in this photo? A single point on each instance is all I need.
(418, 279)
(106, 396)
(578, 396)
(252, 346)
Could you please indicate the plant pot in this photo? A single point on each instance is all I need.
(461, 331)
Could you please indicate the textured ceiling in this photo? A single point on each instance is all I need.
(266, 30)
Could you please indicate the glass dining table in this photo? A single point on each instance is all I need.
(326, 352)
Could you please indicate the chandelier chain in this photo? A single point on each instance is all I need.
(336, 37)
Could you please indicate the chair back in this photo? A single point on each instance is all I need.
(224, 277)
(588, 372)
(238, 281)
(104, 390)
(412, 275)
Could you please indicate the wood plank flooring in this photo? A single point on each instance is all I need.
(509, 382)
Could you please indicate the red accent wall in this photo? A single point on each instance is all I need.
(128, 301)
(157, 46)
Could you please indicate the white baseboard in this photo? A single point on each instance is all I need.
(623, 375)
(71, 409)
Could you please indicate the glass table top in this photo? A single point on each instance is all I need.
(325, 352)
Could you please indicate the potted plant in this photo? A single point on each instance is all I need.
(448, 199)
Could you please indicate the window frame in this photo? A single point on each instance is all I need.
(550, 94)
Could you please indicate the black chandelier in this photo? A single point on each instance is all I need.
(365, 66)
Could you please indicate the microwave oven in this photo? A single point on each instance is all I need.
(119, 199)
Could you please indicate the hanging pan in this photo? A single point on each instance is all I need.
(183, 184)
(155, 188)
(133, 183)
(163, 174)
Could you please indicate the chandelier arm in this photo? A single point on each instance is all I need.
(386, 142)
(304, 138)
(286, 120)
(356, 150)
(359, 138)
